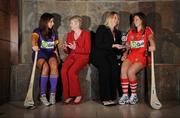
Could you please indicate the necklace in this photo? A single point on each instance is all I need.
(76, 35)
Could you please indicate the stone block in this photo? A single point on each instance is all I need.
(167, 82)
(20, 78)
(85, 82)
(94, 82)
(19, 83)
(95, 85)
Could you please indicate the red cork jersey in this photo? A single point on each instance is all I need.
(138, 40)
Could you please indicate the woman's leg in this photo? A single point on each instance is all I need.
(124, 76)
(53, 74)
(65, 79)
(132, 71)
(125, 82)
(42, 64)
(53, 78)
(104, 71)
(73, 75)
(114, 78)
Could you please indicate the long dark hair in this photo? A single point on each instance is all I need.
(43, 25)
(142, 16)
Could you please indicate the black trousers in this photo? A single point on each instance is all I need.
(108, 76)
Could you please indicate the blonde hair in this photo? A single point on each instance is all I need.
(76, 18)
(108, 17)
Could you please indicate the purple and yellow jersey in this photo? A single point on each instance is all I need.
(46, 45)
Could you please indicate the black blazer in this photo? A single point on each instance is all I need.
(103, 43)
(104, 40)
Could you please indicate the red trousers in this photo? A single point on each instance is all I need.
(69, 74)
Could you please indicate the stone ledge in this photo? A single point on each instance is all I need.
(167, 83)
(20, 78)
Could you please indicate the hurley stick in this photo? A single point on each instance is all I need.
(29, 102)
(154, 102)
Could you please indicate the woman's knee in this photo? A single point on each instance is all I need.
(45, 68)
(131, 73)
(124, 71)
(54, 67)
(72, 72)
(40, 63)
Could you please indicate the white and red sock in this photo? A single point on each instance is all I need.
(133, 86)
(125, 85)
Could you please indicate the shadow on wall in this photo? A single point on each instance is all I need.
(125, 21)
(86, 23)
(167, 42)
(57, 24)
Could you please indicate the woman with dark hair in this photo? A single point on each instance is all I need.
(44, 40)
(104, 57)
(134, 59)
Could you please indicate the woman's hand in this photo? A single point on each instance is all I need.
(72, 45)
(64, 46)
(151, 48)
(118, 46)
(127, 46)
(35, 48)
(123, 57)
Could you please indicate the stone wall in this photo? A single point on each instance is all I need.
(162, 16)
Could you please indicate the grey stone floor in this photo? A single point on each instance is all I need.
(90, 109)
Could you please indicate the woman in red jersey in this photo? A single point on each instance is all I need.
(134, 59)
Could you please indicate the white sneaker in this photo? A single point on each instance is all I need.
(52, 98)
(133, 99)
(44, 100)
(124, 100)
(106, 103)
(113, 102)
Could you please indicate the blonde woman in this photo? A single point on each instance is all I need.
(77, 46)
(104, 58)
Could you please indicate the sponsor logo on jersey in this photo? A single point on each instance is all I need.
(47, 44)
(137, 44)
